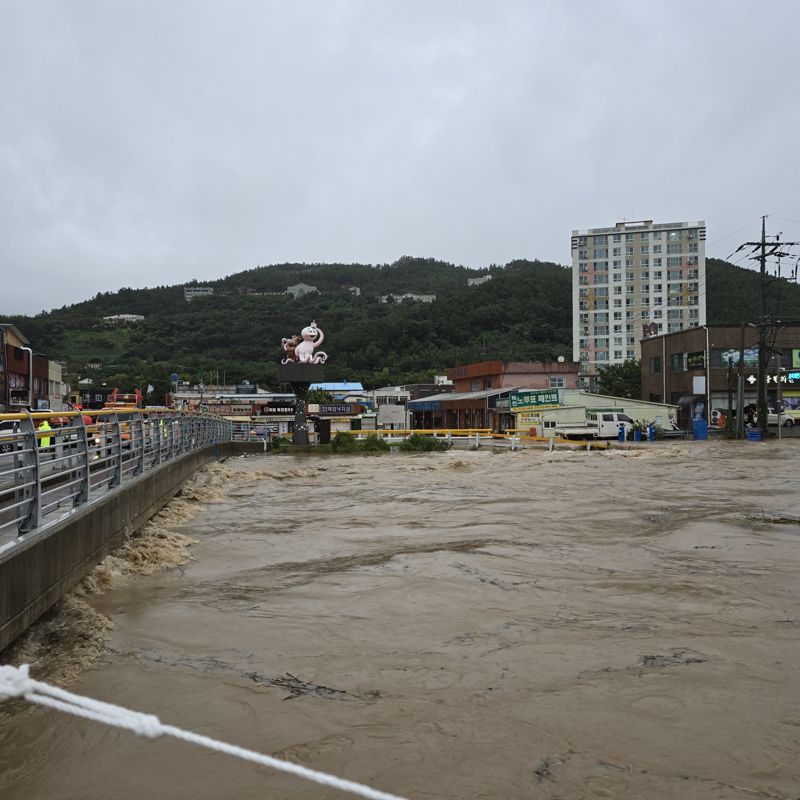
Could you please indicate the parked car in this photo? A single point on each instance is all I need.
(772, 418)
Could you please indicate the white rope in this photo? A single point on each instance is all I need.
(16, 682)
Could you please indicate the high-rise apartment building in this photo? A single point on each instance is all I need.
(634, 280)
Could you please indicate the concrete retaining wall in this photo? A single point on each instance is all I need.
(47, 564)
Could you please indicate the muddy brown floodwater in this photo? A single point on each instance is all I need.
(620, 624)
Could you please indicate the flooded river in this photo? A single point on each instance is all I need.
(620, 624)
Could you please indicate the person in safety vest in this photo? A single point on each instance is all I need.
(45, 441)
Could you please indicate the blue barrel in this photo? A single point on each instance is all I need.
(754, 434)
(699, 429)
(637, 436)
(651, 433)
(621, 432)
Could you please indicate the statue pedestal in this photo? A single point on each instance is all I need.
(300, 377)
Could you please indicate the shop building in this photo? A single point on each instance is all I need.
(698, 369)
(539, 413)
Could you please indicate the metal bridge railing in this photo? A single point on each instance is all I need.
(48, 473)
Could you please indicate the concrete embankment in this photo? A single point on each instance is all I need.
(45, 564)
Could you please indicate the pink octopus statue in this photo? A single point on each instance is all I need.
(300, 349)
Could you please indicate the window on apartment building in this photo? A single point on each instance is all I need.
(694, 313)
(675, 313)
(583, 292)
(674, 301)
(658, 301)
(601, 291)
(692, 247)
(674, 327)
(601, 252)
(616, 251)
(487, 383)
(616, 264)
(629, 237)
(658, 288)
(629, 289)
(601, 330)
(584, 318)
(645, 276)
(656, 262)
(656, 248)
(674, 274)
(617, 277)
(673, 247)
(618, 303)
(644, 236)
(674, 261)
(618, 329)
(582, 240)
(601, 304)
(674, 236)
(657, 314)
(629, 328)
(629, 250)
(557, 382)
(583, 268)
(617, 237)
(583, 343)
(691, 233)
(692, 261)
(630, 301)
(656, 234)
(601, 239)
(645, 301)
(630, 340)
(617, 340)
(601, 277)
(601, 317)
(584, 356)
(655, 365)
(617, 290)
(644, 250)
(645, 288)
(628, 263)
(602, 355)
(644, 264)
(677, 362)
(629, 276)
(645, 313)
(618, 354)
(583, 254)
(630, 354)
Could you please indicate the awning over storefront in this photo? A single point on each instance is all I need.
(435, 402)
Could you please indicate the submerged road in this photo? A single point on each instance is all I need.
(458, 625)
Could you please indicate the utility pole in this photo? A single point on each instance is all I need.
(762, 335)
(762, 250)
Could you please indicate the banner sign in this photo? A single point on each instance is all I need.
(227, 410)
(696, 360)
(335, 410)
(534, 399)
(278, 407)
(732, 357)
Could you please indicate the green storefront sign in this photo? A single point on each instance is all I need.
(534, 399)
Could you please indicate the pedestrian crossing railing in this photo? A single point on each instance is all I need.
(52, 463)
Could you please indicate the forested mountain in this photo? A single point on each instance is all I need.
(523, 312)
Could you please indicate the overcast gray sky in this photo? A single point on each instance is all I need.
(155, 142)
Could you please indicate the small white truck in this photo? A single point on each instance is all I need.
(598, 425)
